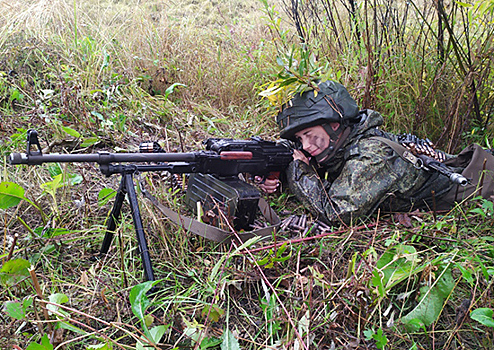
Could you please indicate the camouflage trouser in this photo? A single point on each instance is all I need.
(479, 169)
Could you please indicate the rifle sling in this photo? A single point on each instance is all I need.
(214, 233)
(400, 150)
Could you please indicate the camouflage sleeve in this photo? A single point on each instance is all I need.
(366, 179)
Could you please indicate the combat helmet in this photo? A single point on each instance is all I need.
(332, 103)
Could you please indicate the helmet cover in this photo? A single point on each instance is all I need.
(332, 103)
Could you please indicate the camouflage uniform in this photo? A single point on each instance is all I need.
(364, 175)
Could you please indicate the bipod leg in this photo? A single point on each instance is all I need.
(114, 217)
(141, 237)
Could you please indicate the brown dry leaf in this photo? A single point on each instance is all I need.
(84, 279)
(403, 219)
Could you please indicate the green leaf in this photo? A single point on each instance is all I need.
(158, 332)
(488, 206)
(432, 299)
(368, 333)
(45, 344)
(50, 232)
(105, 195)
(13, 271)
(16, 95)
(148, 320)
(479, 211)
(74, 179)
(98, 115)
(281, 249)
(57, 298)
(216, 268)
(15, 310)
(172, 88)
(483, 316)
(103, 346)
(467, 274)
(54, 169)
(288, 81)
(377, 281)
(210, 342)
(463, 4)
(66, 178)
(52, 186)
(10, 194)
(229, 341)
(139, 302)
(395, 265)
(214, 312)
(71, 132)
(87, 142)
(417, 324)
(380, 339)
(69, 327)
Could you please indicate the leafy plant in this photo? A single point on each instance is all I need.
(11, 194)
(44, 345)
(431, 301)
(484, 316)
(14, 271)
(394, 266)
(18, 310)
(379, 337)
(274, 256)
(270, 310)
(139, 304)
(105, 195)
(60, 179)
(299, 72)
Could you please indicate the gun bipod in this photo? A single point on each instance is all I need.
(127, 188)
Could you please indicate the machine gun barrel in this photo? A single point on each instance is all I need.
(101, 158)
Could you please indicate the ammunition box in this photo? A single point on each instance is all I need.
(226, 199)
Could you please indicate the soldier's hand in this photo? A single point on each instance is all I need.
(297, 154)
(269, 185)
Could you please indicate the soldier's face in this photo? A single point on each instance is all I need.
(314, 140)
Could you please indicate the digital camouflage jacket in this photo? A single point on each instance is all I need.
(365, 174)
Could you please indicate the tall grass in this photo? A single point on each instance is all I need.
(426, 65)
(92, 48)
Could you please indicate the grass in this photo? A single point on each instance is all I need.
(99, 75)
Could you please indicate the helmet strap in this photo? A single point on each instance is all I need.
(337, 137)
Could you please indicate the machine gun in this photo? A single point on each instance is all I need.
(223, 160)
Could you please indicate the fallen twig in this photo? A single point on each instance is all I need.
(299, 240)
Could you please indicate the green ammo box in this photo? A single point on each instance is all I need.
(236, 199)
